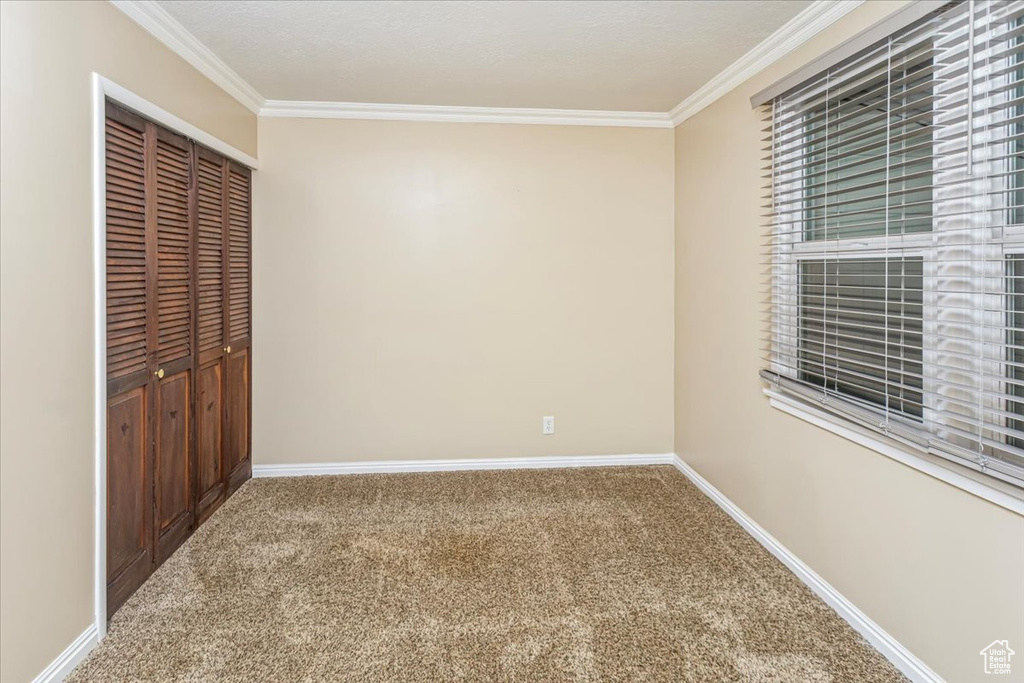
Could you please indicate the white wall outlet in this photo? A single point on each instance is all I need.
(548, 424)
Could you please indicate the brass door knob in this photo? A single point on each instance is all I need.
(227, 349)
(159, 373)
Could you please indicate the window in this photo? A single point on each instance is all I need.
(860, 325)
(1015, 343)
(896, 256)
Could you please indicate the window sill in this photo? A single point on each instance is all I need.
(1003, 495)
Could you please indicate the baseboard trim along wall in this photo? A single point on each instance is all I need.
(374, 466)
(902, 658)
(69, 659)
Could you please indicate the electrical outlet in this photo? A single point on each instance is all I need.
(548, 424)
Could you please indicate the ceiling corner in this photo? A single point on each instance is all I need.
(153, 18)
(816, 18)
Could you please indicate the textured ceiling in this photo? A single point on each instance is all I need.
(626, 56)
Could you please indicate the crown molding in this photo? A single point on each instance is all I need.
(165, 28)
(421, 112)
(816, 18)
(154, 19)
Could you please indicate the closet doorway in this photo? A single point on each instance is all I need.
(178, 332)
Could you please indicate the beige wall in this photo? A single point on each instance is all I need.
(47, 51)
(941, 570)
(431, 290)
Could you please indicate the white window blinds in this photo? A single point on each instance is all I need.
(896, 240)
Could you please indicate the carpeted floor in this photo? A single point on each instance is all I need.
(608, 574)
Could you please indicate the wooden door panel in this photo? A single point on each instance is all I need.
(211, 332)
(209, 414)
(126, 494)
(129, 350)
(238, 308)
(173, 475)
(129, 524)
(174, 339)
(238, 417)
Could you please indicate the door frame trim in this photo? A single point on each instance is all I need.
(102, 90)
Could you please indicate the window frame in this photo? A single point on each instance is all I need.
(787, 321)
(801, 250)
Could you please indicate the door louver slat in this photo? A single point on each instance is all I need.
(174, 296)
(126, 249)
(238, 253)
(211, 251)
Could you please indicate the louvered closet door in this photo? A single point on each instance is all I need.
(211, 324)
(238, 323)
(178, 342)
(150, 342)
(130, 352)
(174, 305)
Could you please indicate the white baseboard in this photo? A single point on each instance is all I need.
(547, 462)
(69, 659)
(902, 658)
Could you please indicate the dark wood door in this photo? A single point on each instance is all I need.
(212, 340)
(238, 322)
(149, 349)
(238, 418)
(173, 439)
(130, 354)
(129, 479)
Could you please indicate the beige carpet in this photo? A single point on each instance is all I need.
(617, 574)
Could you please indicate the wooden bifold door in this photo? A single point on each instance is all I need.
(178, 342)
